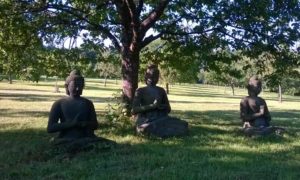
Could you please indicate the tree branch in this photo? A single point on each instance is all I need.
(139, 7)
(188, 33)
(74, 12)
(133, 13)
(124, 14)
(79, 14)
(149, 39)
(154, 16)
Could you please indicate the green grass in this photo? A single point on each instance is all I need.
(214, 148)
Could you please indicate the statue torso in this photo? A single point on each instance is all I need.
(75, 108)
(251, 105)
(147, 95)
(254, 104)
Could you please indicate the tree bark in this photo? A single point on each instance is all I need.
(56, 88)
(130, 69)
(134, 29)
(105, 79)
(232, 88)
(167, 88)
(10, 78)
(279, 93)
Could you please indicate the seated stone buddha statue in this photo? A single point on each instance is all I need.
(74, 117)
(151, 108)
(254, 111)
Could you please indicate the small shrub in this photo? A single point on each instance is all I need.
(116, 113)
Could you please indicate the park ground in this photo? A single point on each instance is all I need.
(214, 148)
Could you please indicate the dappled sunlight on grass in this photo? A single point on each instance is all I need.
(214, 147)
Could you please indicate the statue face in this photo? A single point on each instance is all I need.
(75, 88)
(254, 89)
(152, 79)
(152, 76)
(254, 86)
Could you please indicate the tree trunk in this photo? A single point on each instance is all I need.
(279, 93)
(10, 78)
(232, 88)
(133, 40)
(130, 69)
(167, 88)
(56, 88)
(105, 79)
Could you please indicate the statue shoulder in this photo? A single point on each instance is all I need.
(57, 105)
(140, 90)
(161, 89)
(88, 101)
(246, 98)
(262, 100)
(59, 101)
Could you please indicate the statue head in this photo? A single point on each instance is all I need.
(74, 83)
(152, 75)
(254, 85)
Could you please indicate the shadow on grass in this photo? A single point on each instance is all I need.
(209, 117)
(33, 90)
(202, 102)
(29, 97)
(289, 118)
(60, 84)
(45, 98)
(204, 91)
(9, 113)
(220, 95)
(87, 87)
(205, 95)
(205, 154)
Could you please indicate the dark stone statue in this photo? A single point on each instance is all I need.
(74, 117)
(255, 113)
(151, 107)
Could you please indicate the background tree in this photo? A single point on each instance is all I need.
(176, 64)
(108, 70)
(227, 74)
(18, 44)
(242, 25)
(283, 69)
(279, 70)
(168, 76)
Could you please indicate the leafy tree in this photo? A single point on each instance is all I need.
(18, 40)
(107, 70)
(175, 64)
(226, 75)
(108, 65)
(283, 69)
(243, 25)
(168, 76)
(278, 70)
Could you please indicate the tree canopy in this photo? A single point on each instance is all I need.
(204, 26)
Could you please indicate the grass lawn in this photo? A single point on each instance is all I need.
(214, 148)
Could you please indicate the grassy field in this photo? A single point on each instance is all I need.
(214, 148)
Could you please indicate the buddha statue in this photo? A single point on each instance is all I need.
(151, 108)
(254, 111)
(74, 117)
